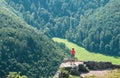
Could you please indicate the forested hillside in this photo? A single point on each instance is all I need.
(92, 24)
(100, 31)
(25, 49)
(55, 17)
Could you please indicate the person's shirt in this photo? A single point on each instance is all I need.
(73, 52)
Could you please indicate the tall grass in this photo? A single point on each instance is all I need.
(84, 55)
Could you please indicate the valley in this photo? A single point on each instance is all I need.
(28, 28)
(84, 55)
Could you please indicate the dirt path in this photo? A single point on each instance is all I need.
(98, 73)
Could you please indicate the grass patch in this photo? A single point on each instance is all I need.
(84, 55)
(112, 74)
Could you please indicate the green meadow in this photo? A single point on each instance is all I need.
(84, 55)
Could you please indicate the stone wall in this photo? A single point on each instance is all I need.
(93, 65)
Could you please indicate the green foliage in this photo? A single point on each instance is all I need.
(64, 74)
(15, 75)
(25, 49)
(63, 15)
(100, 32)
(92, 24)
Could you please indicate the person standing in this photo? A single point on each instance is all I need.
(72, 59)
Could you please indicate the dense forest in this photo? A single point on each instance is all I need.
(92, 24)
(100, 32)
(24, 49)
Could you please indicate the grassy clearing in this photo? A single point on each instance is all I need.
(84, 55)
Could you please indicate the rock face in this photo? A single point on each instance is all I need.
(83, 67)
(74, 70)
(92, 65)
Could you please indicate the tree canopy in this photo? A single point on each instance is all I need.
(92, 24)
(25, 49)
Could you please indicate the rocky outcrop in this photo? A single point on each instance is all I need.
(74, 70)
(84, 67)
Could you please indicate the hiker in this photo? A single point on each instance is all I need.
(72, 59)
